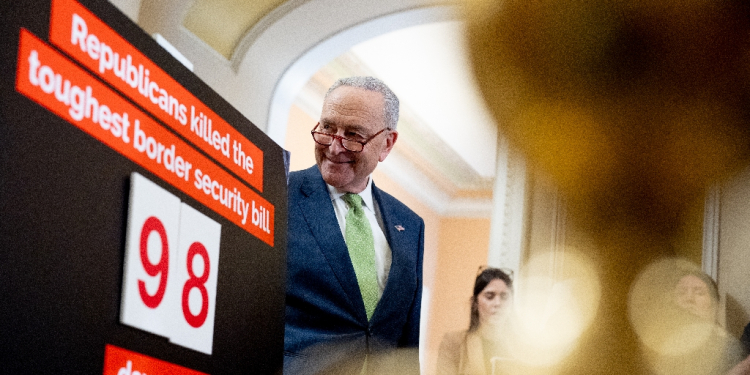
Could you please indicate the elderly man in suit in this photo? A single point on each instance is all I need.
(354, 257)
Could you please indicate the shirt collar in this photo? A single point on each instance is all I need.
(365, 194)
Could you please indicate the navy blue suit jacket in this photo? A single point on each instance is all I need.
(326, 324)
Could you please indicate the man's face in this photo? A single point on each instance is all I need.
(357, 114)
(692, 295)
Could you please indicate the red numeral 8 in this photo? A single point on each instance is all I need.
(196, 282)
(154, 224)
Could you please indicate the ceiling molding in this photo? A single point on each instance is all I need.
(338, 41)
(406, 174)
(260, 27)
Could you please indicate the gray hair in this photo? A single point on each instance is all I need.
(373, 84)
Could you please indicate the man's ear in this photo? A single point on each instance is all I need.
(390, 140)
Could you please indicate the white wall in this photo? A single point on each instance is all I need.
(279, 54)
(734, 252)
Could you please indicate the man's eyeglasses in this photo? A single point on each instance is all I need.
(326, 139)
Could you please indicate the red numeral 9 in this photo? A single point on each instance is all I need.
(162, 268)
(196, 282)
(154, 224)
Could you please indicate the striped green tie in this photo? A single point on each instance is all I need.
(361, 246)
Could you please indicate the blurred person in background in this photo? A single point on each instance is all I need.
(696, 343)
(696, 293)
(483, 348)
(632, 109)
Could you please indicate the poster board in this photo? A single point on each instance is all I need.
(90, 150)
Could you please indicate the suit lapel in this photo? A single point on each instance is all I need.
(318, 211)
(398, 272)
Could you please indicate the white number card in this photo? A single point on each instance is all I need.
(171, 267)
(197, 266)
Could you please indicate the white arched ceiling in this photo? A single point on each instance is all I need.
(300, 71)
(279, 54)
(282, 51)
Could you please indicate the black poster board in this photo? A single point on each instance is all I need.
(64, 198)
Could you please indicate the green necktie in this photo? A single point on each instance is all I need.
(361, 246)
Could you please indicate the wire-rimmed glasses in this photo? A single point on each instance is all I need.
(327, 139)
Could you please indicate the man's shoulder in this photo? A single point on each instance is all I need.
(393, 205)
(303, 173)
(297, 178)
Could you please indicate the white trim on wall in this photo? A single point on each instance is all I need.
(509, 210)
(711, 216)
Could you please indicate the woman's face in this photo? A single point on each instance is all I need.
(494, 302)
(692, 295)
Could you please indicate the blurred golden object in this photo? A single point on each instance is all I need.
(633, 108)
(552, 313)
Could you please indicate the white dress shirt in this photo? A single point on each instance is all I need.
(372, 212)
